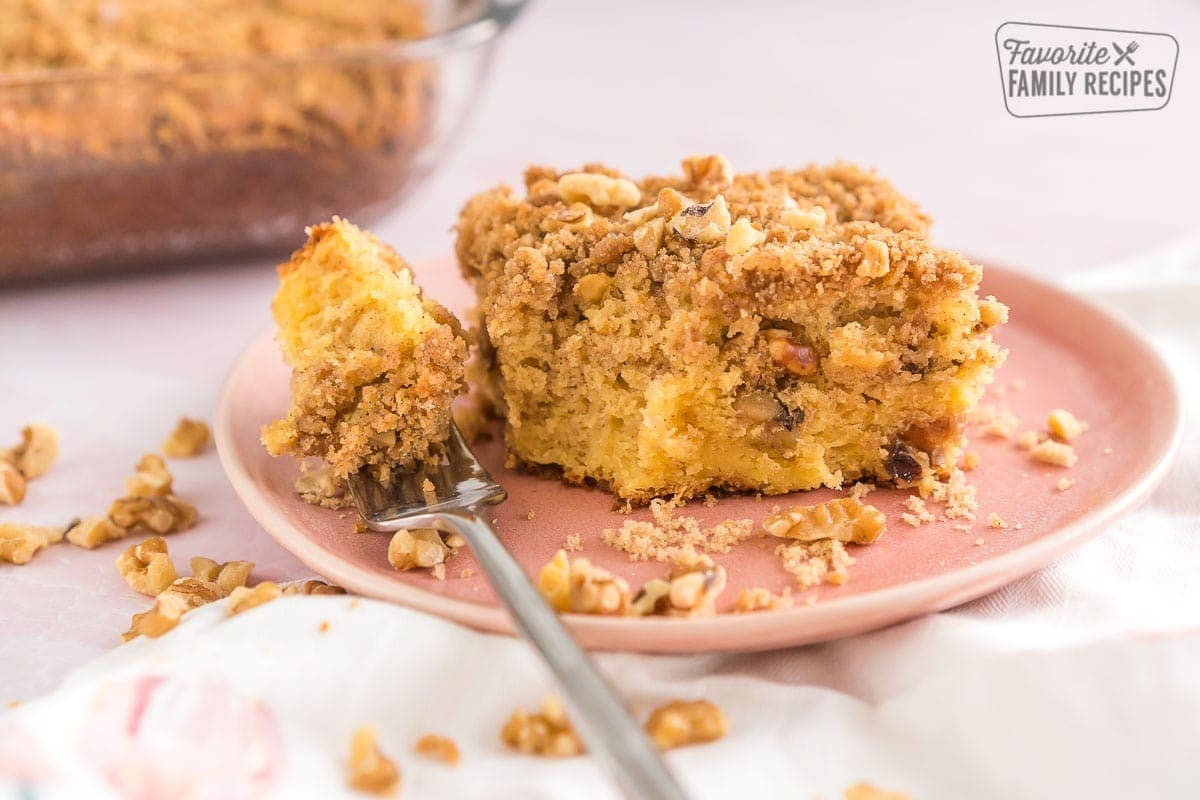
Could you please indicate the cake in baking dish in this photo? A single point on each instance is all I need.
(375, 363)
(762, 332)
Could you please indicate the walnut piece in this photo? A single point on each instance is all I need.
(91, 532)
(12, 484)
(703, 222)
(243, 598)
(321, 487)
(421, 548)
(598, 190)
(865, 791)
(743, 237)
(147, 567)
(579, 587)
(876, 261)
(19, 543)
(804, 219)
(188, 439)
(151, 479)
(796, 358)
(711, 171)
(846, 519)
(182, 596)
(681, 723)
(228, 576)
(647, 238)
(1064, 426)
(312, 587)
(36, 452)
(760, 599)
(369, 769)
(690, 590)
(546, 732)
(161, 515)
(438, 748)
(592, 288)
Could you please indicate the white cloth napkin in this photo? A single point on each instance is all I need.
(1080, 681)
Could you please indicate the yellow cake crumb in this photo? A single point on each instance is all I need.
(1064, 426)
(1065, 483)
(1055, 453)
(661, 538)
(1028, 440)
(812, 563)
(759, 599)
(996, 521)
(917, 513)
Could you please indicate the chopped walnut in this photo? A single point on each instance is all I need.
(12, 484)
(798, 359)
(703, 222)
(846, 519)
(743, 237)
(321, 487)
(370, 770)
(876, 262)
(579, 587)
(1056, 453)
(1064, 426)
(188, 439)
(152, 479)
(162, 515)
(598, 190)
(547, 732)
(91, 532)
(421, 548)
(19, 543)
(804, 219)
(813, 562)
(592, 288)
(681, 723)
(182, 596)
(36, 452)
(760, 599)
(243, 598)
(228, 576)
(647, 238)
(438, 748)
(690, 590)
(312, 587)
(711, 171)
(147, 567)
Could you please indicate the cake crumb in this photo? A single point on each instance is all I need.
(438, 748)
(1028, 440)
(1065, 483)
(1016, 384)
(918, 513)
(710, 500)
(1003, 425)
(970, 460)
(1064, 426)
(965, 527)
(529, 515)
(955, 494)
(663, 537)
(572, 543)
(1107, 451)
(466, 573)
(860, 490)
(1054, 453)
(760, 599)
(438, 572)
(812, 563)
(996, 521)
(979, 542)
(324, 626)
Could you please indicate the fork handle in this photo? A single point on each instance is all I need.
(610, 733)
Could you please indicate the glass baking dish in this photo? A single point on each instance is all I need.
(122, 170)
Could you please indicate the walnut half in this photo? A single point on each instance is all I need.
(846, 519)
(19, 543)
(682, 723)
(579, 587)
(370, 770)
(147, 567)
(546, 732)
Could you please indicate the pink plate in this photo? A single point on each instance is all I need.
(1064, 352)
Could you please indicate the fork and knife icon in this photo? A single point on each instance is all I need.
(1126, 54)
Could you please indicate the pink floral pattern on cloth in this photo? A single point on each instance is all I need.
(164, 737)
(22, 762)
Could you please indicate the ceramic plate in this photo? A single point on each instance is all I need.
(1064, 352)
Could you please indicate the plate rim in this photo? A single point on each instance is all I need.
(873, 610)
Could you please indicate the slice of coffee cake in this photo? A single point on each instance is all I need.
(375, 363)
(766, 332)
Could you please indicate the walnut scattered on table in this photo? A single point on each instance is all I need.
(182, 596)
(681, 723)
(189, 438)
(244, 598)
(439, 748)
(146, 567)
(228, 576)
(369, 770)
(19, 543)
(546, 732)
(93, 531)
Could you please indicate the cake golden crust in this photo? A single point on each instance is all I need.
(375, 364)
(768, 332)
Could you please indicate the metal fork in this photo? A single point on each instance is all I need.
(462, 489)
